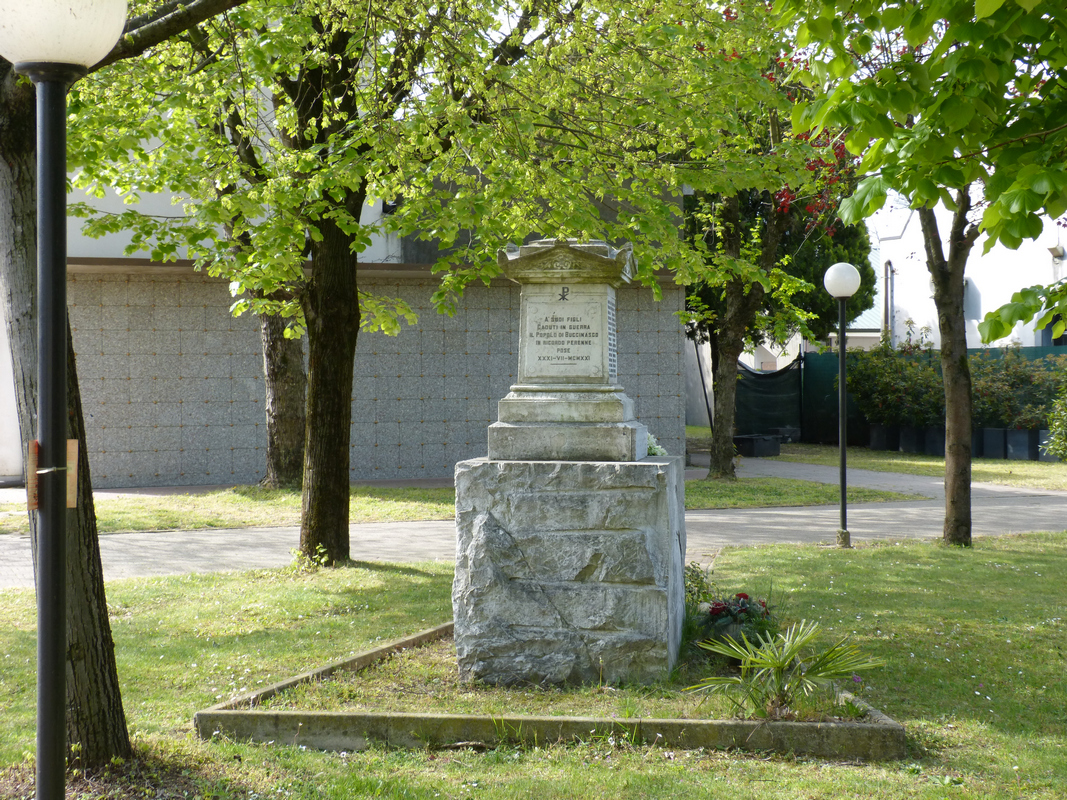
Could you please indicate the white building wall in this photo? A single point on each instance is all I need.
(992, 277)
(383, 248)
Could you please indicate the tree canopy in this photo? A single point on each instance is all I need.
(481, 123)
(951, 101)
(943, 94)
(565, 119)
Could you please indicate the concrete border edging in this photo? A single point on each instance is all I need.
(882, 739)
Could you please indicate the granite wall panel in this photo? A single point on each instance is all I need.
(173, 390)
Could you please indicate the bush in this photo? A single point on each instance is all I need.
(1057, 425)
(898, 386)
(903, 385)
(1012, 391)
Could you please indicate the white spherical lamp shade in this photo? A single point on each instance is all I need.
(841, 280)
(60, 31)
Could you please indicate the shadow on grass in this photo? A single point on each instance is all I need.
(387, 567)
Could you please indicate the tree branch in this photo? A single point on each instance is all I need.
(171, 18)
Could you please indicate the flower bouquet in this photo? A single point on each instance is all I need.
(730, 617)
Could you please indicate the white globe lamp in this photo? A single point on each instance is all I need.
(78, 32)
(841, 280)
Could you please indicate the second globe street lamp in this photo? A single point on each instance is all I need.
(841, 281)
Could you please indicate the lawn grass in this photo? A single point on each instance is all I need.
(246, 506)
(973, 640)
(774, 492)
(253, 506)
(1031, 474)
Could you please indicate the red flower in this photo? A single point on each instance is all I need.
(741, 596)
(718, 607)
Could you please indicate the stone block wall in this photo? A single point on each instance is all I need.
(172, 384)
(424, 400)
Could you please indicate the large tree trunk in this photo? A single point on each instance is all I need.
(286, 384)
(96, 724)
(331, 311)
(96, 721)
(947, 274)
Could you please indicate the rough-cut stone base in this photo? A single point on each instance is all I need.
(568, 572)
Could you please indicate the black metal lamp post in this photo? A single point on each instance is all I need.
(53, 43)
(841, 281)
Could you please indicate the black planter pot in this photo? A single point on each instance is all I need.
(757, 446)
(977, 442)
(994, 443)
(911, 440)
(1042, 442)
(885, 437)
(1021, 445)
(934, 440)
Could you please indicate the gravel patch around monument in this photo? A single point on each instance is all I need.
(878, 738)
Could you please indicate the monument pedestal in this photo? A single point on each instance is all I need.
(567, 423)
(569, 541)
(568, 572)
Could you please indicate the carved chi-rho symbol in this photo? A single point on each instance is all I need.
(564, 291)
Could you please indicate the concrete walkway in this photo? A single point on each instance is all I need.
(995, 510)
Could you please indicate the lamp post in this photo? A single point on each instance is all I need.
(53, 43)
(841, 281)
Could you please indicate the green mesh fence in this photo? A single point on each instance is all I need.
(819, 395)
(768, 402)
(819, 402)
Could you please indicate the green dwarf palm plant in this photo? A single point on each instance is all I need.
(777, 670)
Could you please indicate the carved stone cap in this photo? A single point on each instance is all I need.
(565, 260)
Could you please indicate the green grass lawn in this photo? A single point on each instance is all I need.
(973, 640)
(773, 492)
(1035, 474)
(247, 506)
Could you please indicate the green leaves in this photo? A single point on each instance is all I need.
(869, 196)
(973, 90)
(776, 671)
(983, 8)
(1045, 304)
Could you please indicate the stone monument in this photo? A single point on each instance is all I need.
(570, 542)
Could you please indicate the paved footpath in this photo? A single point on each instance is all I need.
(995, 510)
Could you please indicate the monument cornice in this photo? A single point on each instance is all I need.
(566, 260)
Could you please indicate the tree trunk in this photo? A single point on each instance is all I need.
(743, 301)
(948, 274)
(96, 723)
(724, 380)
(331, 312)
(286, 384)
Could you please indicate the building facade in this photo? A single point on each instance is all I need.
(173, 392)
